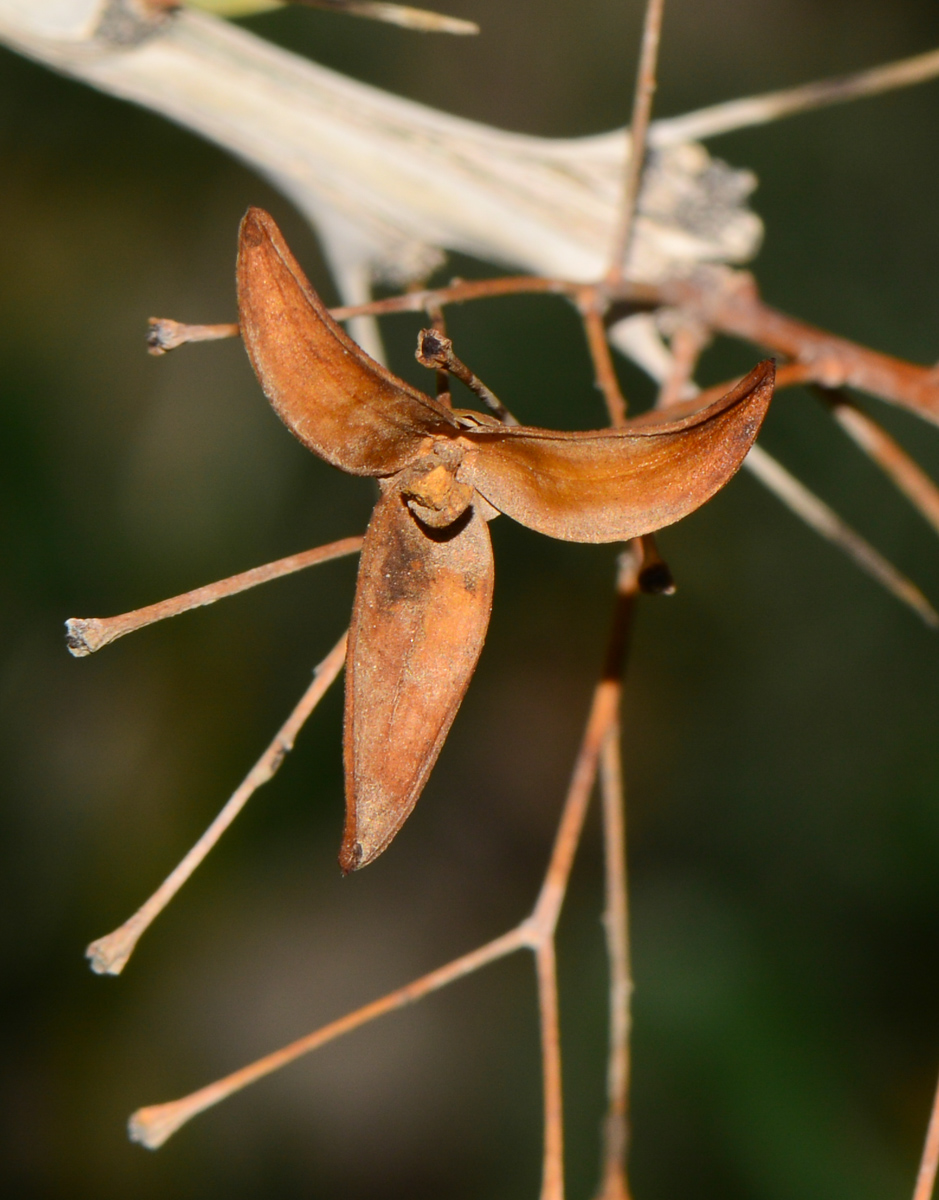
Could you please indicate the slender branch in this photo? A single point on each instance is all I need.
(889, 455)
(459, 292)
(824, 520)
(439, 321)
(434, 350)
(638, 129)
(723, 302)
(771, 106)
(85, 635)
(614, 1184)
(926, 1177)
(403, 15)
(687, 341)
(153, 1125)
(166, 334)
(552, 1175)
(543, 921)
(604, 370)
(728, 303)
(109, 954)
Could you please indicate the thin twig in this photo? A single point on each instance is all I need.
(153, 1125)
(542, 924)
(438, 320)
(166, 334)
(926, 1177)
(109, 954)
(552, 1174)
(734, 310)
(725, 303)
(404, 15)
(458, 292)
(604, 370)
(435, 350)
(687, 341)
(728, 303)
(824, 520)
(614, 1184)
(603, 710)
(889, 455)
(638, 129)
(771, 106)
(85, 635)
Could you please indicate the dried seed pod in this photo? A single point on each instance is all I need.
(424, 590)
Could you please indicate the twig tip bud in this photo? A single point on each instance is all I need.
(83, 636)
(152, 1126)
(434, 349)
(109, 954)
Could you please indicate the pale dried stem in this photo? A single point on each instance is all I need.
(85, 635)
(889, 455)
(614, 1185)
(771, 106)
(926, 1178)
(824, 520)
(638, 131)
(109, 954)
(604, 370)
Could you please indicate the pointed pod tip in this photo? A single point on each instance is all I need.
(254, 226)
(351, 856)
(762, 379)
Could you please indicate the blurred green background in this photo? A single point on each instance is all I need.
(781, 735)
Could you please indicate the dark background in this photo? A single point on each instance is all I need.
(780, 734)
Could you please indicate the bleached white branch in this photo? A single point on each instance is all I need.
(388, 182)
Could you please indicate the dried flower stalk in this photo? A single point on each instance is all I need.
(555, 228)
